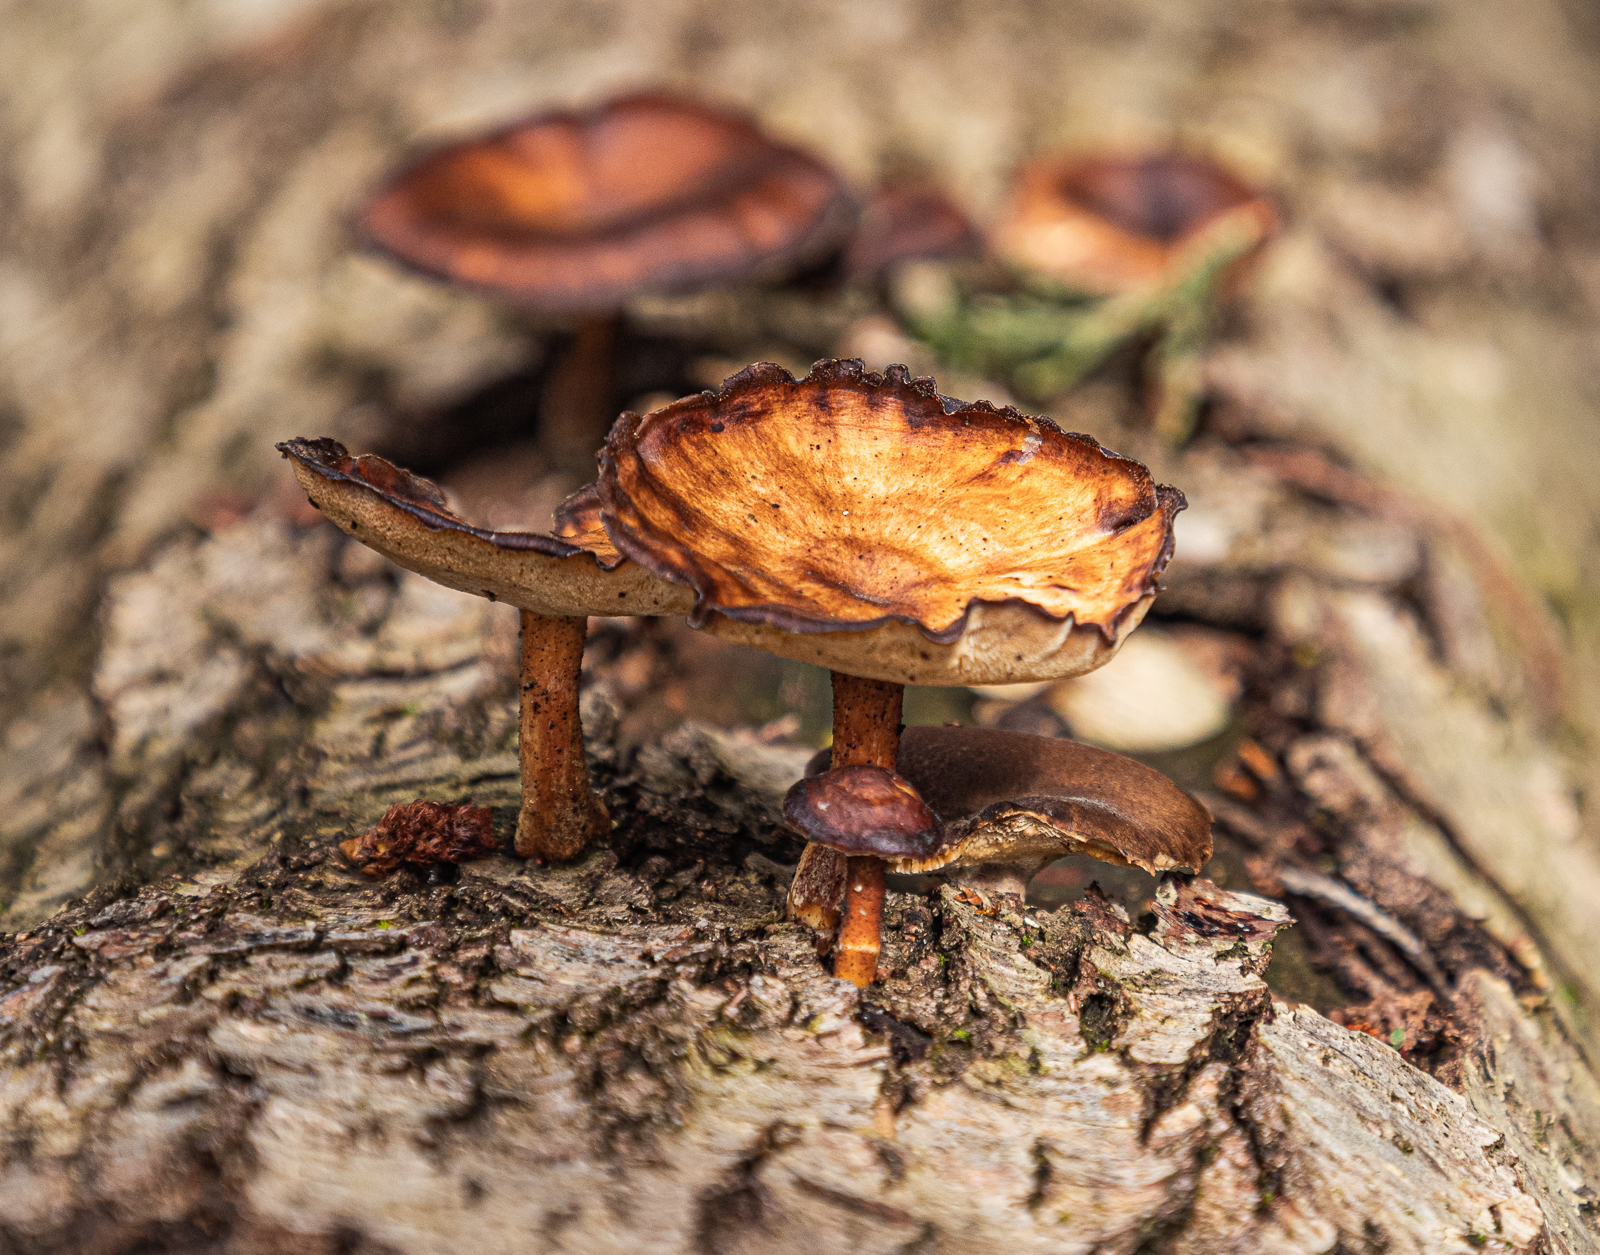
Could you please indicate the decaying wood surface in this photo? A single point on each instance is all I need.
(215, 1036)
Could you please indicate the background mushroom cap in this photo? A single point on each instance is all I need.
(905, 222)
(1008, 797)
(1106, 224)
(849, 501)
(579, 212)
(407, 519)
(863, 810)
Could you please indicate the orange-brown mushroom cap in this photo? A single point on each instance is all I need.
(1011, 798)
(851, 503)
(863, 810)
(573, 571)
(1107, 224)
(580, 212)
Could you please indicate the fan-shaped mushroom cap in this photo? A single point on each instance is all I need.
(863, 811)
(406, 518)
(578, 212)
(866, 523)
(1007, 797)
(1108, 224)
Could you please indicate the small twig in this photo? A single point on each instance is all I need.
(1336, 893)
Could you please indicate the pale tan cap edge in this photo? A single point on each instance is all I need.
(1002, 644)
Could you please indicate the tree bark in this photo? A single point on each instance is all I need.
(214, 1036)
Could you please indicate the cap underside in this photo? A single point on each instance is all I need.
(406, 518)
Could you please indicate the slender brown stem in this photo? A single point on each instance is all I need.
(866, 732)
(866, 722)
(575, 411)
(560, 813)
(861, 935)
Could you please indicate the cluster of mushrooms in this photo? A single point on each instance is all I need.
(865, 523)
(859, 521)
(578, 214)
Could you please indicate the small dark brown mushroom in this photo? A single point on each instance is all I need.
(866, 523)
(1012, 803)
(866, 814)
(578, 213)
(555, 580)
(1111, 224)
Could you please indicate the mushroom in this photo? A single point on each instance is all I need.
(1011, 803)
(1151, 239)
(864, 522)
(865, 814)
(1112, 224)
(577, 213)
(555, 580)
(907, 221)
(1163, 233)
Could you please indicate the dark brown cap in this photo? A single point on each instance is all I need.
(1007, 797)
(580, 212)
(863, 810)
(867, 523)
(905, 222)
(1107, 224)
(406, 518)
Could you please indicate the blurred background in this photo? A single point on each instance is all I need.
(182, 284)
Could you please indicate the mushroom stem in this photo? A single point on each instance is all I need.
(861, 935)
(866, 733)
(575, 411)
(866, 721)
(814, 894)
(560, 813)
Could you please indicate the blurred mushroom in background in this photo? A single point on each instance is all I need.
(576, 214)
(908, 220)
(1160, 696)
(1105, 250)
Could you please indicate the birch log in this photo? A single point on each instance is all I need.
(214, 1037)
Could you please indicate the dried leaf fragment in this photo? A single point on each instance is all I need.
(423, 832)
